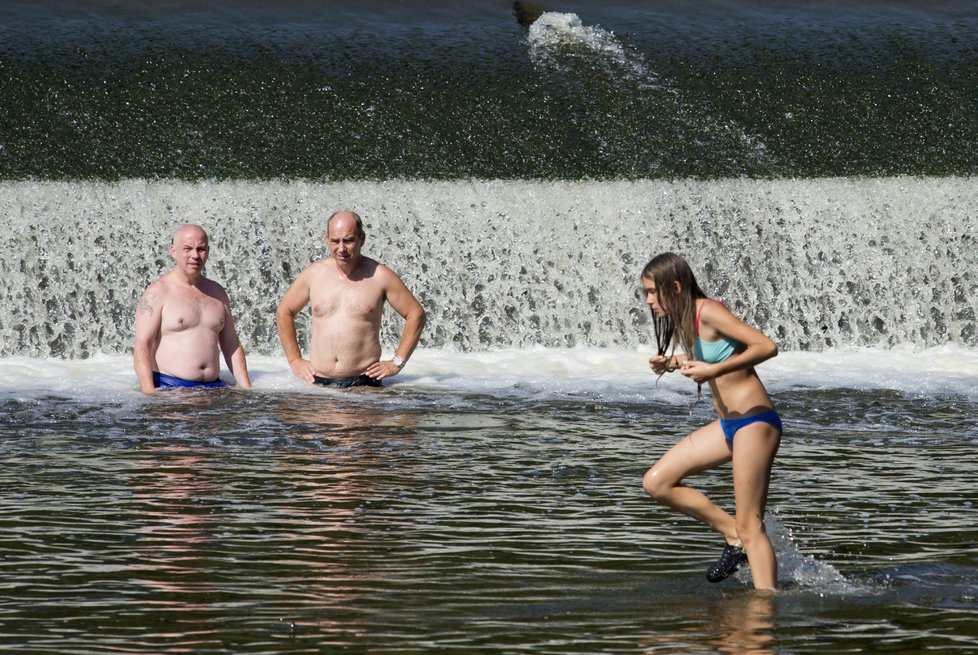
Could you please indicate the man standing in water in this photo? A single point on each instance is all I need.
(182, 320)
(347, 292)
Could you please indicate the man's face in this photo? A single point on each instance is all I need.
(343, 240)
(189, 250)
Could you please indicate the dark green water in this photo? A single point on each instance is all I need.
(410, 90)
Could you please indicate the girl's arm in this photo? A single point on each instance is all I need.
(717, 321)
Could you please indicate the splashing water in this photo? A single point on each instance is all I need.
(554, 32)
(594, 62)
(799, 571)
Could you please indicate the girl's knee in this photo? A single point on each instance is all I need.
(654, 485)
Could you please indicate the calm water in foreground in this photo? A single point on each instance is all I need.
(511, 520)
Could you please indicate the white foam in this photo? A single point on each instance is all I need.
(596, 374)
(554, 29)
(950, 369)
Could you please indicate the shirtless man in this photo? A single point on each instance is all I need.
(181, 321)
(347, 292)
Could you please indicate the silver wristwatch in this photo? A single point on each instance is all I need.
(398, 362)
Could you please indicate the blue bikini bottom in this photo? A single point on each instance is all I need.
(731, 425)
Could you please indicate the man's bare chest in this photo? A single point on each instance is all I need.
(188, 311)
(351, 301)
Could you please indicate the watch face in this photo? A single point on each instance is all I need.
(398, 362)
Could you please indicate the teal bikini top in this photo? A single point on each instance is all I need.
(713, 352)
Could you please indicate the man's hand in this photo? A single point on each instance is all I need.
(382, 369)
(303, 369)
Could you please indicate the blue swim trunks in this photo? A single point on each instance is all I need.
(731, 425)
(164, 381)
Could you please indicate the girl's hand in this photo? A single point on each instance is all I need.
(698, 372)
(661, 364)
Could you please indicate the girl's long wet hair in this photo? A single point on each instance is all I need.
(678, 326)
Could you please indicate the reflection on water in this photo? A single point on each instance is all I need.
(741, 624)
(205, 517)
(747, 627)
(257, 523)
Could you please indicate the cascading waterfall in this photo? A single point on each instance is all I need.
(815, 263)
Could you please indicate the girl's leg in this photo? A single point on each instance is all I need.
(703, 449)
(755, 446)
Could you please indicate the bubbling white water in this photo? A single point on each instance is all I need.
(509, 264)
(598, 375)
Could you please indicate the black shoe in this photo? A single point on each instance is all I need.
(727, 564)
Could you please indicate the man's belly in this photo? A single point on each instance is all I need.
(344, 352)
(334, 367)
(189, 355)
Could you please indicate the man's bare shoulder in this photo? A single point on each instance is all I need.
(213, 289)
(154, 298)
(167, 282)
(168, 285)
(315, 273)
(371, 269)
(385, 275)
(317, 267)
(157, 288)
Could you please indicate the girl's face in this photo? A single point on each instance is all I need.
(652, 298)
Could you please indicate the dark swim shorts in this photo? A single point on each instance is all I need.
(164, 381)
(346, 383)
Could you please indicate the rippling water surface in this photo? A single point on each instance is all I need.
(418, 520)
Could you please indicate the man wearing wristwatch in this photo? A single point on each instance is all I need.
(347, 292)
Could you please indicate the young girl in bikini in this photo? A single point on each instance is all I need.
(725, 351)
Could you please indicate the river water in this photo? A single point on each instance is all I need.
(481, 503)
(816, 165)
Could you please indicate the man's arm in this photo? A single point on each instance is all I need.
(292, 303)
(234, 354)
(405, 304)
(149, 315)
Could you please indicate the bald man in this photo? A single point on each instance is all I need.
(182, 320)
(347, 292)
